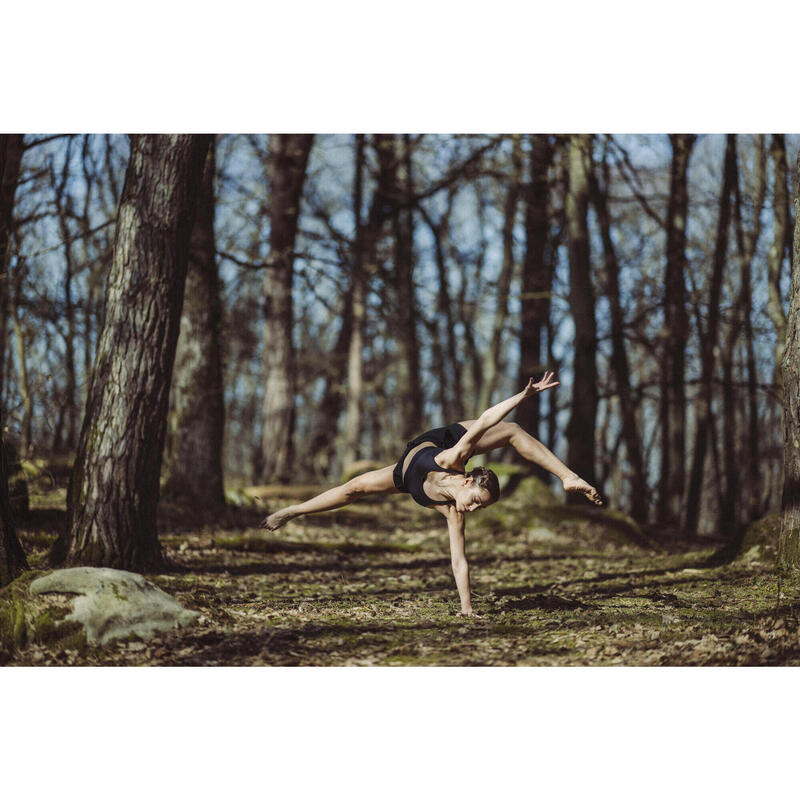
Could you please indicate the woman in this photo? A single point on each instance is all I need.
(432, 470)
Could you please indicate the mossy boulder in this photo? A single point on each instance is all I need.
(114, 604)
(760, 541)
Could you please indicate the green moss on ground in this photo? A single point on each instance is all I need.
(27, 619)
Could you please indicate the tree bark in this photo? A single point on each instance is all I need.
(11, 148)
(676, 333)
(780, 211)
(709, 344)
(789, 542)
(194, 462)
(114, 488)
(537, 280)
(287, 167)
(619, 356)
(581, 427)
(12, 556)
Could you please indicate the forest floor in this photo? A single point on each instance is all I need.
(371, 585)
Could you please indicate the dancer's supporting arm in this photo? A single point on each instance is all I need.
(457, 455)
(458, 556)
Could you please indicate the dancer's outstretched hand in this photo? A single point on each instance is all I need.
(544, 383)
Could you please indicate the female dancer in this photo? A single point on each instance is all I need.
(431, 470)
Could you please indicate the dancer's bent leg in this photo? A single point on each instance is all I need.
(506, 434)
(377, 481)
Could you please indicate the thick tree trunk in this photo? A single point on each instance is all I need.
(492, 364)
(114, 488)
(708, 338)
(619, 357)
(537, 279)
(676, 333)
(287, 165)
(11, 147)
(780, 211)
(581, 427)
(789, 542)
(194, 462)
(12, 557)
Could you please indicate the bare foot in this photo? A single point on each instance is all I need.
(577, 484)
(276, 520)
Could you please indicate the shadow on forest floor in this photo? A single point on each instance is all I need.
(373, 586)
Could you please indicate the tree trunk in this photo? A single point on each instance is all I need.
(789, 542)
(492, 360)
(733, 507)
(12, 557)
(11, 147)
(23, 381)
(709, 343)
(537, 279)
(287, 165)
(114, 488)
(753, 508)
(194, 462)
(451, 391)
(580, 430)
(676, 332)
(780, 210)
(355, 355)
(63, 207)
(619, 356)
(402, 224)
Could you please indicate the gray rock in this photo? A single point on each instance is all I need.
(114, 603)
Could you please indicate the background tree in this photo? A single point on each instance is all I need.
(288, 157)
(537, 279)
(114, 488)
(675, 334)
(580, 431)
(193, 462)
(709, 342)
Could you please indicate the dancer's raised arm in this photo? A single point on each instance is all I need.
(459, 453)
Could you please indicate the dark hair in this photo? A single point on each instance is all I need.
(486, 479)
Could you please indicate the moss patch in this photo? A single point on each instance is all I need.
(27, 619)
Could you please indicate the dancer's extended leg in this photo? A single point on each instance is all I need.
(377, 481)
(506, 434)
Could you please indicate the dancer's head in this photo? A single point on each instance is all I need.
(478, 489)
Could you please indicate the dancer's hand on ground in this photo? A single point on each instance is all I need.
(545, 383)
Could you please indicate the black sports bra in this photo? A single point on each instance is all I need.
(423, 462)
